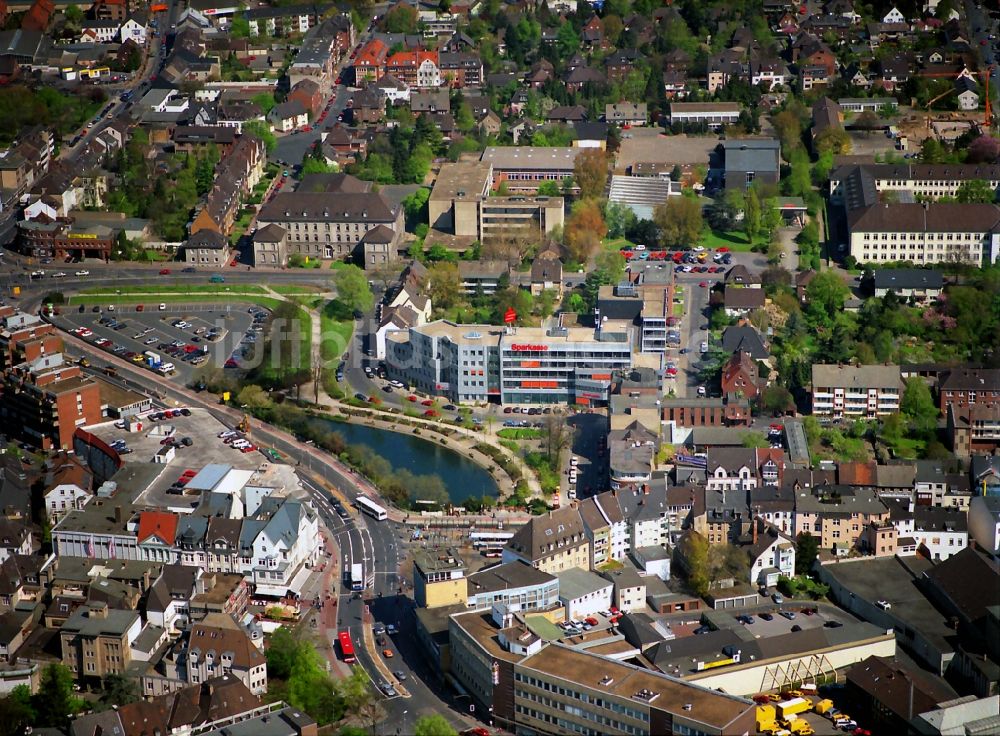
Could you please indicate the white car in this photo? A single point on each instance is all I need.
(83, 273)
(704, 346)
(701, 391)
(59, 275)
(640, 247)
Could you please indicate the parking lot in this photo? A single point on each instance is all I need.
(142, 443)
(186, 337)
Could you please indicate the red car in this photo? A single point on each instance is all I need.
(164, 272)
(428, 402)
(723, 249)
(306, 129)
(430, 413)
(703, 284)
(411, 397)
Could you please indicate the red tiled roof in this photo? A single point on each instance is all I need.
(160, 524)
(372, 54)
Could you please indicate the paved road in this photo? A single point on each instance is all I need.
(977, 18)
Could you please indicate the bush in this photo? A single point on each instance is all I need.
(802, 585)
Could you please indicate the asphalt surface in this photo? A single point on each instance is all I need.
(233, 321)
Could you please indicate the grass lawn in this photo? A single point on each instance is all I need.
(336, 326)
(679, 309)
(617, 243)
(215, 289)
(337, 265)
(735, 240)
(908, 448)
(296, 290)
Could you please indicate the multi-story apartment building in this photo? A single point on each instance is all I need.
(865, 391)
(963, 387)
(218, 646)
(938, 533)
(512, 583)
(284, 21)
(529, 365)
(924, 180)
(605, 527)
(554, 542)
(97, 641)
(363, 225)
(461, 69)
(837, 515)
(45, 400)
(25, 338)
(523, 168)
(369, 64)
(415, 68)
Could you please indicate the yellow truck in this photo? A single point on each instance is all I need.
(823, 706)
(798, 726)
(792, 707)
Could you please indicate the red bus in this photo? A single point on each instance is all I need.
(346, 647)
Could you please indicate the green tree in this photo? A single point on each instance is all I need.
(549, 188)
(119, 690)
(680, 222)
(353, 289)
(590, 172)
(567, 41)
(281, 651)
(777, 399)
(261, 130)
(918, 405)
(55, 701)
(695, 548)
(239, 26)
(619, 218)
(401, 19)
(264, 100)
(975, 191)
(806, 552)
(74, 16)
(17, 711)
(751, 214)
(755, 440)
(724, 211)
(435, 725)
(825, 296)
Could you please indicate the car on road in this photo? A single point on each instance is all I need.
(387, 653)
(83, 273)
(704, 346)
(164, 271)
(399, 675)
(59, 275)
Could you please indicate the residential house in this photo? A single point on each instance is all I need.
(308, 93)
(207, 247)
(744, 337)
(917, 284)
(460, 69)
(739, 301)
(771, 553)
(626, 114)
(740, 376)
(837, 515)
(619, 64)
(288, 116)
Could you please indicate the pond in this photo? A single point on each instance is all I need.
(462, 477)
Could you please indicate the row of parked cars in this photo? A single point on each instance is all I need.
(237, 441)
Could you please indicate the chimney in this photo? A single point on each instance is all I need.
(99, 610)
(118, 514)
(753, 526)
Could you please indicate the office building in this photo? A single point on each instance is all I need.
(524, 365)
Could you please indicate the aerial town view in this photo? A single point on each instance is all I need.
(499, 367)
